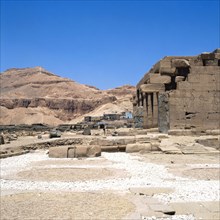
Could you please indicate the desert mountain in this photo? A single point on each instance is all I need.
(34, 95)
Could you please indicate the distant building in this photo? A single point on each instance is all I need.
(87, 118)
(128, 115)
(111, 117)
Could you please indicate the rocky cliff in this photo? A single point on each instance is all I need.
(34, 95)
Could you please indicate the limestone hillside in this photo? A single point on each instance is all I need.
(34, 95)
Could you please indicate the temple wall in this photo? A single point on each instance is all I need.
(196, 102)
(180, 93)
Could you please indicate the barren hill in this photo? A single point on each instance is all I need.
(34, 95)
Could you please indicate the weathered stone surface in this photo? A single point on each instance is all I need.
(213, 132)
(181, 132)
(200, 210)
(180, 63)
(12, 137)
(168, 71)
(58, 152)
(213, 142)
(169, 147)
(148, 88)
(94, 151)
(161, 79)
(112, 142)
(55, 134)
(81, 151)
(137, 147)
(179, 78)
(71, 152)
(163, 113)
(87, 131)
(192, 95)
(102, 142)
(74, 151)
(208, 56)
(138, 117)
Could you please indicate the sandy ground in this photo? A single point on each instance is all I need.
(38, 205)
(34, 186)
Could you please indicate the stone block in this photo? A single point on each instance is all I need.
(55, 134)
(211, 62)
(171, 71)
(71, 152)
(94, 151)
(149, 88)
(125, 141)
(203, 77)
(180, 132)
(208, 56)
(169, 147)
(163, 113)
(161, 79)
(58, 152)
(217, 56)
(180, 63)
(213, 142)
(206, 86)
(199, 210)
(137, 147)
(196, 61)
(165, 62)
(205, 70)
(103, 142)
(213, 132)
(74, 151)
(184, 85)
(87, 131)
(81, 151)
(109, 148)
(179, 78)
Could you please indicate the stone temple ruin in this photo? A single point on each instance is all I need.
(180, 92)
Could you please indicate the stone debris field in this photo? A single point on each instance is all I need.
(116, 185)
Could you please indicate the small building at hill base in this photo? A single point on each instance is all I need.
(180, 92)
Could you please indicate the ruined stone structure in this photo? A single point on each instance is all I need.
(180, 93)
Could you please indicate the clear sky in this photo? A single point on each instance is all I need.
(104, 43)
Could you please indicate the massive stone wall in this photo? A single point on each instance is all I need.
(181, 93)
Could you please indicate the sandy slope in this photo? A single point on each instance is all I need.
(34, 95)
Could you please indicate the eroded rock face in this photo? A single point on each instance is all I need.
(34, 95)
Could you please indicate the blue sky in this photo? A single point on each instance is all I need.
(104, 43)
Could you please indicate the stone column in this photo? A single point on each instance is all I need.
(163, 113)
(150, 110)
(145, 110)
(138, 97)
(142, 99)
(155, 109)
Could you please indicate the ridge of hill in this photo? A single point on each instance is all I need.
(35, 95)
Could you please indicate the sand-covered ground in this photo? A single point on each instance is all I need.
(113, 186)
